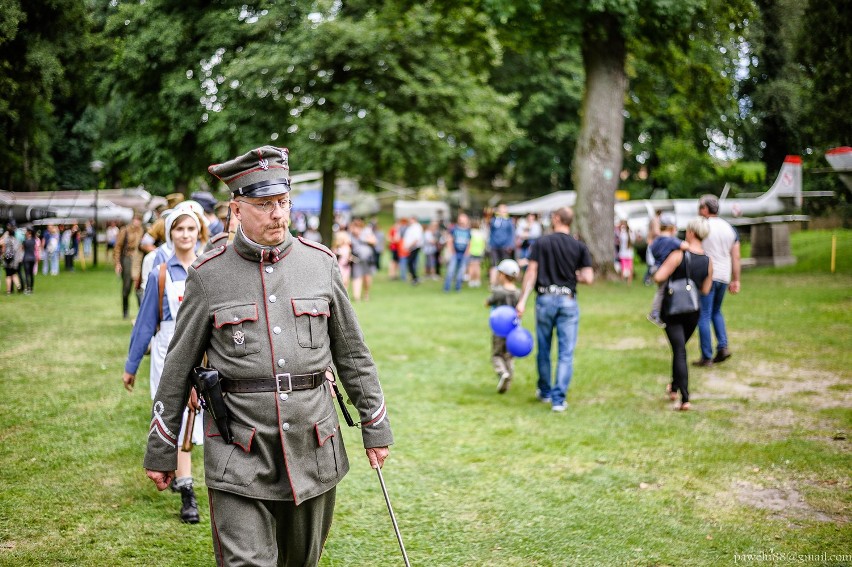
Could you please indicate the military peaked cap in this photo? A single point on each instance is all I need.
(262, 172)
(206, 200)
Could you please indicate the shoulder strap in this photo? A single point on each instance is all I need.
(686, 256)
(161, 288)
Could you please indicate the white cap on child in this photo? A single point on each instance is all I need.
(509, 267)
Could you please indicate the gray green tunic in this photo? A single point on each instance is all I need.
(256, 312)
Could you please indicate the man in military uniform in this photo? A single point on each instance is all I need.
(273, 316)
(126, 247)
(208, 203)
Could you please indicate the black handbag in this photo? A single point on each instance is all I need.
(681, 294)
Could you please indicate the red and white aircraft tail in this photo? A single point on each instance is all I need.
(841, 160)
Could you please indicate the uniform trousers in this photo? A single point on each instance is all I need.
(269, 533)
(126, 282)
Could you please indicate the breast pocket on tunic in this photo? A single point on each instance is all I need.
(237, 329)
(312, 315)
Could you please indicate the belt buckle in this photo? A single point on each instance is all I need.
(552, 288)
(289, 379)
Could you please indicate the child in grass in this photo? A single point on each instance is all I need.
(504, 293)
(663, 245)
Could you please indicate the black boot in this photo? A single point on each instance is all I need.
(189, 509)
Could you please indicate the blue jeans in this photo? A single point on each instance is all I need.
(711, 310)
(563, 313)
(51, 261)
(455, 270)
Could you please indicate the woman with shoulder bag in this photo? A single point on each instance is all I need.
(678, 314)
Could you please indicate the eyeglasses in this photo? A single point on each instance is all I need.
(269, 206)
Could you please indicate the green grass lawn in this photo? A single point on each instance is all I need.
(762, 465)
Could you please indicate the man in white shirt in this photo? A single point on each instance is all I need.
(722, 245)
(412, 241)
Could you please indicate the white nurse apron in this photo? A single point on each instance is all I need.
(160, 346)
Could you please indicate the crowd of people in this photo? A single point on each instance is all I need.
(24, 247)
(435, 249)
(193, 250)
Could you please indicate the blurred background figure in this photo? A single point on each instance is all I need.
(312, 233)
(625, 251)
(529, 230)
(501, 241)
(431, 251)
(51, 251)
(126, 246)
(30, 261)
(412, 242)
(363, 268)
(343, 250)
(12, 255)
(478, 242)
(459, 244)
(208, 204)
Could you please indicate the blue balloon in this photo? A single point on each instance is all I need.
(503, 319)
(519, 342)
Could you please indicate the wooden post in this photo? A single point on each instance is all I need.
(833, 252)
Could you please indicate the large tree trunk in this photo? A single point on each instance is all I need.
(326, 218)
(598, 156)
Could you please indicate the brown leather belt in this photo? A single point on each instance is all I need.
(281, 383)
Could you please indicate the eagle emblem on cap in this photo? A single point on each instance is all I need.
(264, 164)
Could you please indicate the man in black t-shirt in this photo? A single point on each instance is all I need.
(557, 262)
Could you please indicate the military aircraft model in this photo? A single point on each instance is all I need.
(784, 195)
(63, 206)
(840, 160)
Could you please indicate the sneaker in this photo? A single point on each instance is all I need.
(656, 320)
(721, 356)
(560, 407)
(542, 399)
(503, 384)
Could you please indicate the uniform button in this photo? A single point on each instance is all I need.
(276, 330)
(285, 426)
(236, 318)
(281, 362)
(272, 299)
(283, 397)
(268, 269)
(314, 311)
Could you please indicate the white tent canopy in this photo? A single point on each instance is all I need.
(544, 205)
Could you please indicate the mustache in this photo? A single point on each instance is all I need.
(276, 225)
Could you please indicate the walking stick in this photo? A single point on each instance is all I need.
(393, 518)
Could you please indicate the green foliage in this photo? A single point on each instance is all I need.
(774, 92)
(748, 174)
(825, 52)
(383, 93)
(684, 169)
(550, 89)
(41, 42)
(683, 88)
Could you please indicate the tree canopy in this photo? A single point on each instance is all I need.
(539, 95)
